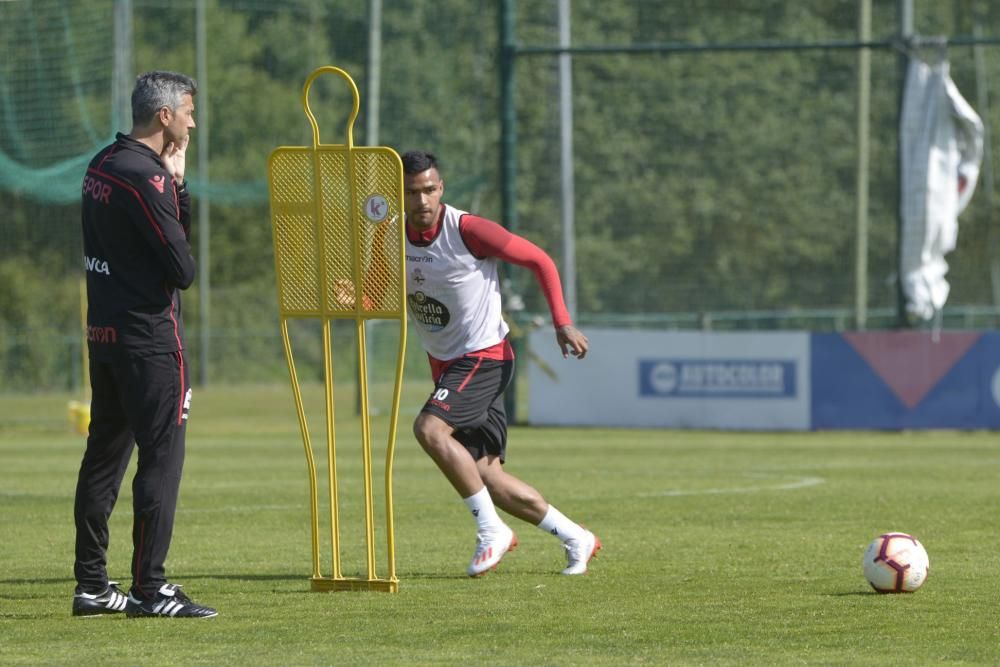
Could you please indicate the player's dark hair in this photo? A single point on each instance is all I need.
(416, 162)
(155, 90)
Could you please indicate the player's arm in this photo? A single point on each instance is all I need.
(174, 158)
(160, 218)
(486, 238)
(184, 206)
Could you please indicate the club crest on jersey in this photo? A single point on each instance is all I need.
(157, 182)
(429, 312)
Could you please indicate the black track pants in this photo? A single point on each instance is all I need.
(141, 402)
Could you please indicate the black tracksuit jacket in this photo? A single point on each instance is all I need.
(136, 226)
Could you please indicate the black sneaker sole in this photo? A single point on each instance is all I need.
(169, 602)
(94, 613)
(85, 608)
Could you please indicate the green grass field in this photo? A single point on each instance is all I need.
(719, 548)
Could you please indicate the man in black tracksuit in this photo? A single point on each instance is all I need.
(136, 227)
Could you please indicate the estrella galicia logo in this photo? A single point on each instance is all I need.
(429, 312)
(721, 378)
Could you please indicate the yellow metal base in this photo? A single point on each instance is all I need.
(323, 584)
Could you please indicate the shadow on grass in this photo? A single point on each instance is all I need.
(224, 577)
(297, 577)
(38, 580)
(303, 576)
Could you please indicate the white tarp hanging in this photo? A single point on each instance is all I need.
(942, 148)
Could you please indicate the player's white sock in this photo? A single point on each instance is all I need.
(556, 523)
(482, 508)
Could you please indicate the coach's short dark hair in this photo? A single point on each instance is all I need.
(415, 162)
(155, 90)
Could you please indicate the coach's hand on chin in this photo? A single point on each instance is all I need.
(174, 160)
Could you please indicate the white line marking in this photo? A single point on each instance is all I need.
(799, 483)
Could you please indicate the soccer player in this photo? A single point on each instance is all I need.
(136, 223)
(453, 295)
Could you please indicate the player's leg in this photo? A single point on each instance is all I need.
(459, 402)
(158, 409)
(522, 500)
(493, 537)
(511, 494)
(109, 447)
(436, 437)
(157, 386)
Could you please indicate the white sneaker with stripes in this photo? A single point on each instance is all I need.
(110, 601)
(491, 546)
(169, 601)
(579, 552)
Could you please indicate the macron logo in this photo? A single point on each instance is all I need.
(157, 182)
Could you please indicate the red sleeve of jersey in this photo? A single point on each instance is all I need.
(486, 238)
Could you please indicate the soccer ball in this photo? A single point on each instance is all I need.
(895, 563)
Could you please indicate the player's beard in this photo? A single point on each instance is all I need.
(423, 219)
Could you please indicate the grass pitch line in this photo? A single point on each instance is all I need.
(798, 483)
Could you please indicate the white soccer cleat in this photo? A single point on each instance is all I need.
(579, 552)
(491, 546)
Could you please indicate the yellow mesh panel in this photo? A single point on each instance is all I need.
(294, 233)
(299, 277)
(338, 236)
(378, 195)
(346, 243)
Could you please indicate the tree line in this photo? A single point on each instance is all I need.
(705, 182)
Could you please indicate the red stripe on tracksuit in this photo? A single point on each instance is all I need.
(180, 406)
(142, 202)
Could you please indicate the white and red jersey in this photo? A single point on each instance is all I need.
(453, 296)
(453, 286)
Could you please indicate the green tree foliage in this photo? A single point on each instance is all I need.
(704, 181)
